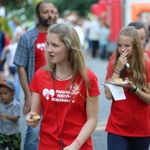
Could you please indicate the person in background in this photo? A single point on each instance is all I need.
(66, 93)
(11, 24)
(18, 30)
(129, 122)
(86, 26)
(11, 49)
(104, 40)
(10, 112)
(94, 32)
(4, 40)
(142, 31)
(29, 57)
(79, 30)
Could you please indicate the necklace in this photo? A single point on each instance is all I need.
(63, 77)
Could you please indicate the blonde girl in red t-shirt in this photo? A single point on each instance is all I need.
(66, 93)
(128, 125)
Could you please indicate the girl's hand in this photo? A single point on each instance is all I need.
(70, 148)
(73, 146)
(129, 84)
(30, 119)
(122, 60)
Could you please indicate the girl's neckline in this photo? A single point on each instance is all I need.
(63, 78)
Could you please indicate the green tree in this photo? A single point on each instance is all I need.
(4, 26)
(80, 6)
(20, 8)
(26, 8)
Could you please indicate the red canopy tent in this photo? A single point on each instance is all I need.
(111, 12)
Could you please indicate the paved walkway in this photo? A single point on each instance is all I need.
(99, 136)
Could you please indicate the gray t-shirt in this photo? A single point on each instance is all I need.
(6, 126)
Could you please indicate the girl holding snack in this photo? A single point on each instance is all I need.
(66, 93)
(128, 125)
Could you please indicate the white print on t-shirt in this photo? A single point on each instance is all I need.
(62, 95)
(41, 46)
(48, 93)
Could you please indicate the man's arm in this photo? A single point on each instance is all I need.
(24, 83)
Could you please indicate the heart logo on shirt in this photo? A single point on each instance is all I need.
(41, 46)
(48, 93)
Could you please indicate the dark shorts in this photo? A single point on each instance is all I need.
(117, 142)
(13, 142)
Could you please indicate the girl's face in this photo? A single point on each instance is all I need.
(6, 95)
(142, 35)
(125, 44)
(56, 49)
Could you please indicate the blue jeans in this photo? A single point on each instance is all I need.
(116, 142)
(32, 137)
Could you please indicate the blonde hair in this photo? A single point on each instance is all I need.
(69, 37)
(138, 70)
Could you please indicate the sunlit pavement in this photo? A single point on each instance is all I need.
(99, 136)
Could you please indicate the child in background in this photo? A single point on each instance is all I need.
(10, 135)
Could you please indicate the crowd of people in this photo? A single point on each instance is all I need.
(61, 94)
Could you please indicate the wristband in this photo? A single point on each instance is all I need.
(117, 72)
(117, 69)
(135, 90)
(78, 142)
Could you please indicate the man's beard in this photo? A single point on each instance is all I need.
(45, 22)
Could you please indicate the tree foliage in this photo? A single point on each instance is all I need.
(4, 26)
(82, 7)
(20, 7)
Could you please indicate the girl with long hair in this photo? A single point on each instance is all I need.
(65, 93)
(128, 125)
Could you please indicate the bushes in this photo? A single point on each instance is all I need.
(4, 27)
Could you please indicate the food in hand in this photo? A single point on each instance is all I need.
(4, 116)
(36, 117)
(119, 80)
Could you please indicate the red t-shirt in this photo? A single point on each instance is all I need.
(59, 99)
(39, 51)
(112, 57)
(129, 117)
